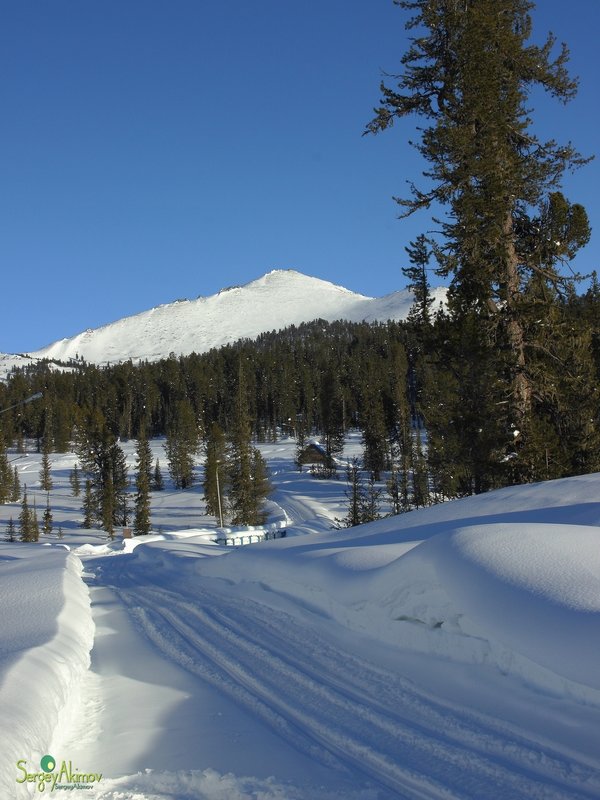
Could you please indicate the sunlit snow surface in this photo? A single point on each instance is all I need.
(452, 652)
(276, 300)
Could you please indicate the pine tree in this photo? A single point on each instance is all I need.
(332, 421)
(393, 487)
(215, 473)
(354, 493)
(11, 535)
(26, 527)
(47, 518)
(75, 482)
(89, 506)
(45, 475)
(468, 75)
(105, 467)
(400, 429)
(141, 520)
(419, 475)
(261, 487)
(247, 480)
(183, 442)
(418, 280)
(158, 483)
(108, 504)
(371, 500)
(363, 498)
(375, 456)
(300, 440)
(120, 485)
(16, 487)
(5, 475)
(35, 525)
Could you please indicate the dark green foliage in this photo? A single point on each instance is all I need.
(419, 254)
(467, 76)
(248, 484)
(35, 525)
(6, 481)
(11, 533)
(75, 481)
(141, 518)
(45, 476)
(215, 483)
(386, 379)
(363, 497)
(16, 487)
(47, 519)
(104, 466)
(158, 483)
(354, 495)
(89, 506)
(332, 422)
(28, 528)
(182, 445)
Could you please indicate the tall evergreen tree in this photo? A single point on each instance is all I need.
(45, 474)
(332, 420)
(246, 471)
(75, 481)
(354, 493)
(419, 254)
(11, 535)
(363, 497)
(89, 506)
(26, 525)
(469, 73)
(120, 485)
(141, 519)
(182, 445)
(215, 473)
(35, 523)
(47, 519)
(5, 475)
(105, 467)
(15, 487)
(371, 501)
(158, 483)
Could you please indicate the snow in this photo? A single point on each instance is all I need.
(447, 653)
(276, 300)
(46, 635)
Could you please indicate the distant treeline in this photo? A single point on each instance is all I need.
(388, 380)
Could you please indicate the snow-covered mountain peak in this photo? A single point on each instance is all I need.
(276, 300)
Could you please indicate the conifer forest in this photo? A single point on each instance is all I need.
(500, 388)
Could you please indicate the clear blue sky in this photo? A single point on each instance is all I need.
(158, 149)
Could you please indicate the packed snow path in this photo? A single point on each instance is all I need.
(356, 722)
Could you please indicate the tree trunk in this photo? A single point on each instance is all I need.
(520, 382)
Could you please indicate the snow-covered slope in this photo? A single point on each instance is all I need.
(274, 301)
(46, 634)
(8, 362)
(451, 652)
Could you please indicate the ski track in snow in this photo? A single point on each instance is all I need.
(343, 711)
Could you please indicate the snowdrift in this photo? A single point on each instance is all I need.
(501, 579)
(47, 634)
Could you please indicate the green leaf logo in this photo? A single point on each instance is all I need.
(48, 763)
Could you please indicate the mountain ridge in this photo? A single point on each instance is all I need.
(273, 301)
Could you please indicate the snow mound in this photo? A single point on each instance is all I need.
(532, 588)
(210, 785)
(488, 579)
(47, 635)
